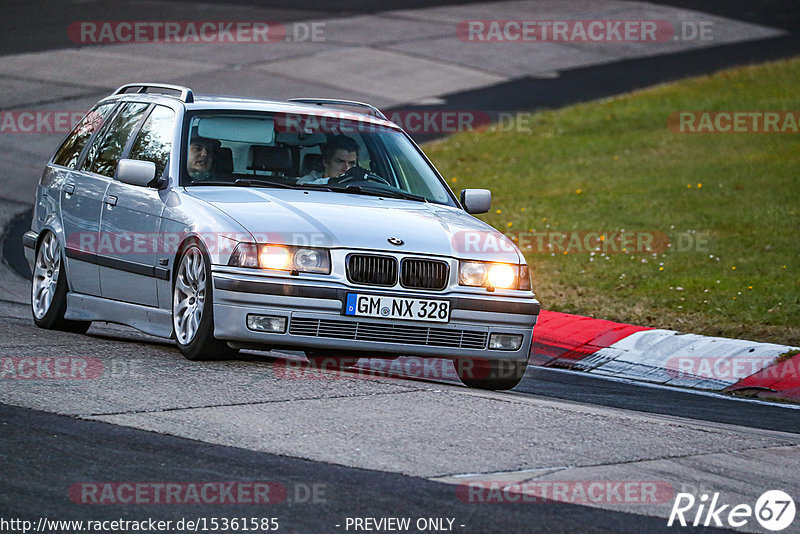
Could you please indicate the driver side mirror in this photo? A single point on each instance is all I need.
(476, 200)
(136, 172)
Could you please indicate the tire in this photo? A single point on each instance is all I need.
(193, 308)
(49, 289)
(330, 361)
(490, 374)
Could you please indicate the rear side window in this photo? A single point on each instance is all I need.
(106, 150)
(72, 147)
(154, 142)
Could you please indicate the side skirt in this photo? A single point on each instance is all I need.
(153, 321)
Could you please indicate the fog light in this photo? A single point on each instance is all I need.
(267, 323)
(505, 341)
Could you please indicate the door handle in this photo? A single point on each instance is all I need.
(111, 200)
(69, 189)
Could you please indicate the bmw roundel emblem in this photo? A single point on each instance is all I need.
(395, 241)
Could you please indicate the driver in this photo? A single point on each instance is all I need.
(338, 156)
(200, 159)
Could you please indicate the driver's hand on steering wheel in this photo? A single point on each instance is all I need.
(355, 173)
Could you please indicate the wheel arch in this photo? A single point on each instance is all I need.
(54, 229)
(182, 246)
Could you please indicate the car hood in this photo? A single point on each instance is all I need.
(344, 220)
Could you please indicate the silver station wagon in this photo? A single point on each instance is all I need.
(317, 225)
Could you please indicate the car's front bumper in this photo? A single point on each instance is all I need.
(315, 320)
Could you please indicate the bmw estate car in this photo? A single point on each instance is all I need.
(310, 224)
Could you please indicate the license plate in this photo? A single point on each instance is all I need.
(397, 308)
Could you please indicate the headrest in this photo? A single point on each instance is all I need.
(223, 160)
(311, 162)
(270, 158)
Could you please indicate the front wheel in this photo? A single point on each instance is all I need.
(192, 309)
(490, 374)
(49, 289)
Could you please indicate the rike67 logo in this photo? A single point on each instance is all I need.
(774, 510)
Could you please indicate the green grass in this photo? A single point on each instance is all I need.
(614, 164)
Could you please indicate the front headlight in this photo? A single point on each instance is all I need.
(495, 275)
(502, 275)
(281, 258)
(472, 273)
(275, 257)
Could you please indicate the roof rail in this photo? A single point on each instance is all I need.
(186, 94)
(375, 112)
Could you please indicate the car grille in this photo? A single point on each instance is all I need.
(382, 271)
(388, 333)
(423, 274)
(372, 270)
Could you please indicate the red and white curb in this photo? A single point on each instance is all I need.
(665, 356)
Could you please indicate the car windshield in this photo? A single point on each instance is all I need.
(331, 151)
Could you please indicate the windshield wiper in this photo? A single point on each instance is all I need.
(210, 182)
(254, 182)
(360, 189)
(246, 182)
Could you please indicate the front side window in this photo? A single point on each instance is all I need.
(69, 152)
(154, 142)
(331, 152)
(107, 148)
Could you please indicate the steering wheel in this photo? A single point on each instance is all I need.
(357, 174)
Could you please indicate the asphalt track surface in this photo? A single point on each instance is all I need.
(43, 454)
(36, 444)
(30, 27)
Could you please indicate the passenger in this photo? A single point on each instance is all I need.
(339, 155)
(200, 160)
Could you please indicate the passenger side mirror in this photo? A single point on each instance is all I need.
(136, 172)
(476, 200)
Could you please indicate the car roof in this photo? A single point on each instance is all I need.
(197, 102)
